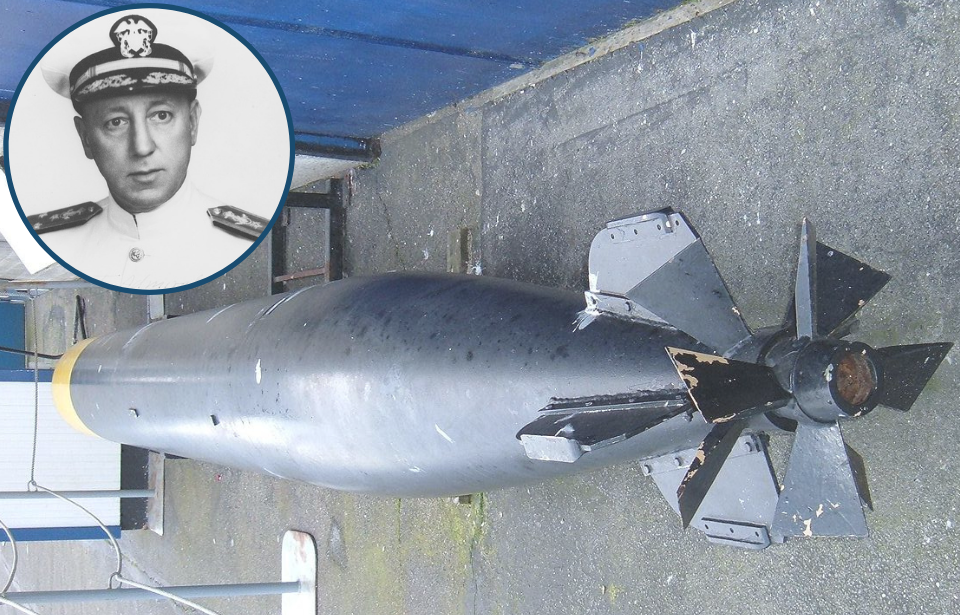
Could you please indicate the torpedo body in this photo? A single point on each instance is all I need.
(406, 384)
(417, 384)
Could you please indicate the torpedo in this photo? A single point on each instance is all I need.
(418, 384)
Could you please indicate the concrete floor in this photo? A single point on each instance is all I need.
(746, 119)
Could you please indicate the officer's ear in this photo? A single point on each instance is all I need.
(195, 111)
(81, 126)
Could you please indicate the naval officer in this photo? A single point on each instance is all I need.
(138, 120)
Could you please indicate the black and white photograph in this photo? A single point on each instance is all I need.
(149, 149)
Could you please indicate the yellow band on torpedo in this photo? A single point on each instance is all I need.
(61, 387)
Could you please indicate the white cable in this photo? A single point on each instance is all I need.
(36, 387)
(32, 485)
(113, 541)
(33, 460)
(20, 608)
(116, 576)
(13, 568)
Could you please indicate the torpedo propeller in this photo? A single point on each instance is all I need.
(803, 373)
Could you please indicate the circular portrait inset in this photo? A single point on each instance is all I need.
(149, 149)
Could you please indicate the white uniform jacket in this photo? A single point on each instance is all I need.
(173, 245)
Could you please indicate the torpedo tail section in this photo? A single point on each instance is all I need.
(805, 375)
(801, 377)
(643, 269)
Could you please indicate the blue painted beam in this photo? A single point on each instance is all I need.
(25, 375)
(37, 534)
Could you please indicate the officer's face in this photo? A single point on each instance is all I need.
(141, 144)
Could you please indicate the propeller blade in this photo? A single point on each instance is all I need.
(724, 390)
(688, 292)
(820, 496)
(906, 371)
(805, 286)
(705, 467)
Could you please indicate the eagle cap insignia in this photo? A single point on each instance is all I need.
(133, 35)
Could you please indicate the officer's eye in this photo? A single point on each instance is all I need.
(162, 116)
(116, 122)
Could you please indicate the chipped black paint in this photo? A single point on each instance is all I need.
(724, 389)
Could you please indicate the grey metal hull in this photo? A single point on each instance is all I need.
(402, 384)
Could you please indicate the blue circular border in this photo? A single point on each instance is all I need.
(286, 110)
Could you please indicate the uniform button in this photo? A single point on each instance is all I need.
(136, 254)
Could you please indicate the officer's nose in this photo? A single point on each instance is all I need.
(141, 140)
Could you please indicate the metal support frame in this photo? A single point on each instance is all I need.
(343, 148)
(333, 202)
(75, 495)
(190, 592)
(297, 588)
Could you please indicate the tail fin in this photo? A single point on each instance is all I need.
(653, 266)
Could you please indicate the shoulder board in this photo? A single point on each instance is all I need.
(237, 222)
(68, 217)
